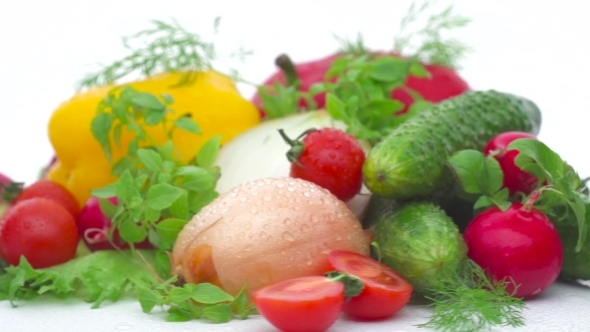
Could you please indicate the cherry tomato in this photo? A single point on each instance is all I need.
(385, 293)
(52, 190)
(515, 179)
(304, 304)
(39, 229)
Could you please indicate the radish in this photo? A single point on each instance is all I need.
(94, 227)
(515, 179)
(519, 245)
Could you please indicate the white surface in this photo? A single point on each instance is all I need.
(561, 308)
(535, 49)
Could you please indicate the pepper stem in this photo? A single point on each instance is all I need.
(288, 69)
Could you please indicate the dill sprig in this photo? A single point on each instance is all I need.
(473, 302)
(165, 47)
(428, 43)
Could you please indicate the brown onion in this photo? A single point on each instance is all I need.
(265, 231)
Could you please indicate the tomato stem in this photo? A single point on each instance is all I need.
(353, 286)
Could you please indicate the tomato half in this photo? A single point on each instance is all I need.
(385, 293)
(304, 304)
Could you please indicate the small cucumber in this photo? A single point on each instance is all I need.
(421, 242)
(411, 160)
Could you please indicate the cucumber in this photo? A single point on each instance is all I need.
(422, 243)
(411, 160)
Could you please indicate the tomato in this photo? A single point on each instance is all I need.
(515, 179)
(385, 293)
(52, 190)
(330, 158)
(39, 229)
(304, 304)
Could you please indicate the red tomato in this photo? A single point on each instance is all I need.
(52, 190)
(386, 292)
(304, 304)
(332, 159)
(39, 229)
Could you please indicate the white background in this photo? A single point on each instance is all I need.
(538, 49)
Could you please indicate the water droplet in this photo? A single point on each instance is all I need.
(287, 222)
(314, 218)
(267, 198)
(248, 248)
(263, 235)
(287, 236)
(304, 228)
(253, 211)
(306, 194)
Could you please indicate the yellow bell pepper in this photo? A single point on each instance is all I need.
(212, 99)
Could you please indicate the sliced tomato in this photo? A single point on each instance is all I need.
(385, 293)
(304, 304)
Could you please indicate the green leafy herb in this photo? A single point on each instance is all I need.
(427, 44)
(194, 301)
(473, 302)
(109, 275)
(157, 191)
(166, 47)
(557, 181)
(361, 97)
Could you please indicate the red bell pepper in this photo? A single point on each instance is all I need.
(443, 83)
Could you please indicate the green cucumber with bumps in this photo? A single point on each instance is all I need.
(411, 161)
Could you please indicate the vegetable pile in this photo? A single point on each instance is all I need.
(358, 184)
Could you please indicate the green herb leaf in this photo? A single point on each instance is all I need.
(428, 44)
(540, 160)
(166, 47)
(207, 293)
(162, 195)
(219, 313)
(151, 159)
(480, 174)
(208, 153)
(188, 124)
(473, 303)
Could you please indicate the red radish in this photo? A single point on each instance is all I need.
(94, 227)
(304, 304)
(519, 244)
(515, 179)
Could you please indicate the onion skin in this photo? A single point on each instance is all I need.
(265, 231)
